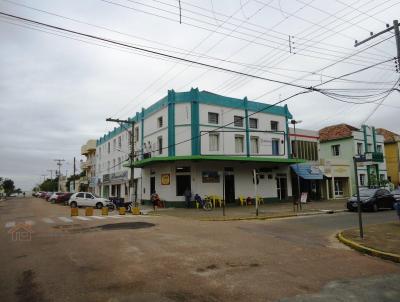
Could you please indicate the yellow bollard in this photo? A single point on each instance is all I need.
(89, 212)
(104, 211)
(74, 212)
(121, 211)
(135, 211)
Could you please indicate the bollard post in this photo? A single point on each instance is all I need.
(135, 211)
(74, 211)
(104, 211)
(89, 212)
(121, 211)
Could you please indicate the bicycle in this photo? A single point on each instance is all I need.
(205, 203)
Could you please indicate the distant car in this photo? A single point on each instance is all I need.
(53, 197)
(87, 199)
(396, 194)
(48, 195)
(372, 199)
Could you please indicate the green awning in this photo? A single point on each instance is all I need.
(242, 159)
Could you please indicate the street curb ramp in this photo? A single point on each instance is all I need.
(368, 250)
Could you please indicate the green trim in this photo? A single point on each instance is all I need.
(240, 159)
(171, 123)
(365, 139)
(374, 138)
(203, 97)
(289, 146)
(246, 119)
(195, 117)
(142, 133)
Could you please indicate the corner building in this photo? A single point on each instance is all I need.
(210, 144)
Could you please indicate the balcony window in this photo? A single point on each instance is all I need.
(160, 145)
(214, 142)
(114, 144)
(212, 118)
(254, 145)
(253, 123)
(275, 146)
(239, 143)
(369, 148)
(335, 150)
(274, 126)
(136, 138)
(359, 148)
(119, 163)
(119, 142)
(362, 179)
(238, 121)
(379, 148)
(160, 122)
(108, 148)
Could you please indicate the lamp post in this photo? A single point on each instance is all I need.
(294, 123)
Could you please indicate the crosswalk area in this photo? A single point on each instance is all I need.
(69, 220)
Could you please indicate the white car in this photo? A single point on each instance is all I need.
(53, 197)
(87, 199)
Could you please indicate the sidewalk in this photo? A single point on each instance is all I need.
(266, 211)
(382, 240)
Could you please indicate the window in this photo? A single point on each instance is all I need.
(89, 196)
(210, 176)
(359, 148)
(136, 138)
(369, 148)
(214, 142)
(108, 166)
(275, 146)
(253, 123)
(239, 143)
(114, 144)
(335, 150)
(119, 163)
(379, 148)
(80, 195)
(160, 145)
(382, 177)
(238, 121)
(254, 144)
(212, 118)
(119, 142)
(108, 147)
(113, 166)
(362, 179)
(274, 126)
(305, 150)
(160, 122)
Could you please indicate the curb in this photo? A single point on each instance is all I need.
(368, 250)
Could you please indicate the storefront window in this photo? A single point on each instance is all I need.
(210, 177)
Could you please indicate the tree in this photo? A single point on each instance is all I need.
(8, 186)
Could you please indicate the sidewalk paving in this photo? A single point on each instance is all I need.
(383, 237)
(269, 210)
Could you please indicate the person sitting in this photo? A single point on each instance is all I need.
(199, 200)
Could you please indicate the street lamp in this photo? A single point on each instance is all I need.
(294, 123)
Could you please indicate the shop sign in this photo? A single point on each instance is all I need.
(165, 179)
(210, 177)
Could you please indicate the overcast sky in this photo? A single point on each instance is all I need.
(56, 92)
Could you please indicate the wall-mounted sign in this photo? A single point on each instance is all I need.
(303, 198)
(165, 179)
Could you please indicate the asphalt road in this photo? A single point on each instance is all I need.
(172, 259)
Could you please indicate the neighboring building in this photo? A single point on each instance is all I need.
(392, 155)
(180, 143)
(88, 166)
(305, 146)
(339, 144)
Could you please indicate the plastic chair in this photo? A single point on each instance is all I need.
(217, 199)
(242, 201)
(260, 200)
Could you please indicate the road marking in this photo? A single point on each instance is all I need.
(82, 218)
(98, 217)
(114, 216)
(48, 220)
(29, 222)
(65, 219)
(10, 224)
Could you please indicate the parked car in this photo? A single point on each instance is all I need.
(48, 195)
(87, 199)
(64, 198)
(42, 194)
(372, 199)
(54, 196)
(396, 194)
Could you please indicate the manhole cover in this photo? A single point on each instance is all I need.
(127, 225)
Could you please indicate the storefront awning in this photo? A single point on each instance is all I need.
(306, 171)
(242, 159)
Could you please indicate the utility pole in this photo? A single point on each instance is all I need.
(294, 123)
(59, 164)
(132, 195)
(51, 174)
(388, 28)
(73, 176)
(44, 177)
